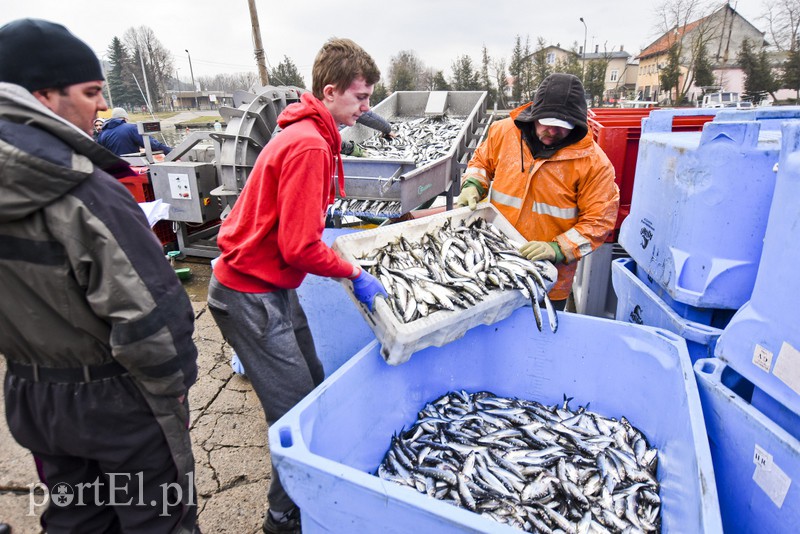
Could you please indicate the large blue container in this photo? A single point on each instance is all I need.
(338, 328)
(699, 209)
(326, 447)
(770, 118)
(638, 304)
(756, 462)
(762, 341)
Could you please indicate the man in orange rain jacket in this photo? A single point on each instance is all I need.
(548, 178)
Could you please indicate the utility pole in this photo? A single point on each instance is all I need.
(258, 48)
(191, 71)
(146, 87)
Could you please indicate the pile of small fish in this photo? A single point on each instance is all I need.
(535, 467)
(360, 207)
(457, 266)
(420, 140)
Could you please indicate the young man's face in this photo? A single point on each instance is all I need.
(78, 103)
(550, 135)
(347, 106)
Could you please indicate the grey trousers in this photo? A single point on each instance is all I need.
(270, 334)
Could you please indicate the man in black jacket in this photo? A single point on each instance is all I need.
(94, 325)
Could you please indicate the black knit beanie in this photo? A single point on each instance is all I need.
(38, 54)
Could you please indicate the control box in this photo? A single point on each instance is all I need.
(186, 186)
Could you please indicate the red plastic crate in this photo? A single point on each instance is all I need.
(142, 191)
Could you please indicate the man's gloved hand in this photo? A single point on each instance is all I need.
(540, 250)
(366, 287)
(469, 197)
(358, 152)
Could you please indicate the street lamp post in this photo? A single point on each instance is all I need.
(191, 70)
(583, 59)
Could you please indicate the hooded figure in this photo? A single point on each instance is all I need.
(548, 178)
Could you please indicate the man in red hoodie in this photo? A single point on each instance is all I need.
(273, 238)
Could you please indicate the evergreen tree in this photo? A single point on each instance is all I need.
(439, 82)
(465, 77)
(538, 69)
(286, 73)
(515, 69)
(670, 74)
(379, 94)
(758, 77)
(572, 64)
(595, 83)
(791, 71)
(405, 72)
(703, 71)
(485, 79)
(120, 82)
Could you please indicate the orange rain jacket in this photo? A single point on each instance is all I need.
(570, 198)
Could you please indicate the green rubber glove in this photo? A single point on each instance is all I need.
(541, 250)
(469, 197)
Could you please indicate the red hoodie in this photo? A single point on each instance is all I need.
(273, 236)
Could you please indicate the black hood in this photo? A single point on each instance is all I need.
(560, 96)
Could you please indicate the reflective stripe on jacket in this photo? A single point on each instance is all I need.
(570, 198)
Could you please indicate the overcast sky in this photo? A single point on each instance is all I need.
(218, 35)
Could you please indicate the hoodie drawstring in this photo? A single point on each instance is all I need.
(521, 155)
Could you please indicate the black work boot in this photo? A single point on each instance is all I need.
(285, 523)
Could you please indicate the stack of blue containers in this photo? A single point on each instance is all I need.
(699, 216)
(751, 392)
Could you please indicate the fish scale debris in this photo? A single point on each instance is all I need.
(454, 267)
(535, 467)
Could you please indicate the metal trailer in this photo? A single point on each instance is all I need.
(202, 191)
(403, 181)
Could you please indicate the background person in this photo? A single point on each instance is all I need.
(548, 178)
(121, 137)
(94, 325)
(98, 126)
(273, 238)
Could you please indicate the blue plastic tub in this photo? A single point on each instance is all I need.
(338, 328)
(699, 210)
(762, 341)
(756, 462)
(326, 447)
(638, 304)
(770, 118)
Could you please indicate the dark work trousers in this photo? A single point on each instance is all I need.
(102, 454)
(270, 334)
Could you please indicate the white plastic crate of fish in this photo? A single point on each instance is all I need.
(401, 339)
(328, 447)
(422, 162)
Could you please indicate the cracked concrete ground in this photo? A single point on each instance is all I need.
(229, 436)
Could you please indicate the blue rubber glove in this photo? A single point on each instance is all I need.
(366, 287)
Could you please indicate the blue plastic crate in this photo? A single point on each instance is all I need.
(638, 304)
(762, 341)
(699, 210)
(756, 462)
(326, 447)
(770, 118)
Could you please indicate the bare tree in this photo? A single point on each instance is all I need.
(406, 72)
(783, 20)
(689, 31)
(158, 66)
